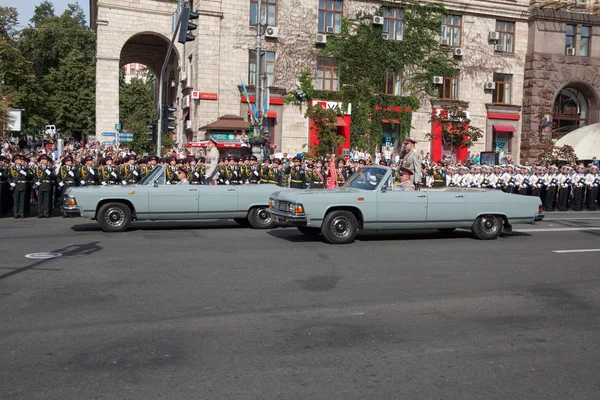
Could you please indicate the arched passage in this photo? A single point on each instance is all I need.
(575, 105)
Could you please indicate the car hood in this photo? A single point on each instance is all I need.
(294, 194)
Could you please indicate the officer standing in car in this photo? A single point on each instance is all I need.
(412, 160)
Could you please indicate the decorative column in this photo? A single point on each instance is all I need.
(107, 94)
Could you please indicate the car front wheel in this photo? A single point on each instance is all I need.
(487, 227)
(114, 217)
(260, 218)
(339, 227)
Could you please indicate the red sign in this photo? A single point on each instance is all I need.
(208, 96)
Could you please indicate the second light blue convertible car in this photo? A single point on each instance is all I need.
(368, 201)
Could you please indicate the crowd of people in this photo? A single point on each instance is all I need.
(39, 175)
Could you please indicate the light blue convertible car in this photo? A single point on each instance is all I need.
(368, 200)
(115, 207)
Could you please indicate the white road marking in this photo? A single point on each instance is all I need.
(557, 229)
(575, 251)
(566, 219)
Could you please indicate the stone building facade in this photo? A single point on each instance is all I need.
(511, 52)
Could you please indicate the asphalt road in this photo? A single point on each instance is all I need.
(209, 310)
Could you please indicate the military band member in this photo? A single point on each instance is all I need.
(296, 174)
(107, 173)
(44, 182)
(564, 187)
(591, 183)
(578, 188)
(551, 182)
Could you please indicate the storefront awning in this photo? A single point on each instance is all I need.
(504, 129)
(271, 114)
(340, 122)
(228, 123)
(386, 121)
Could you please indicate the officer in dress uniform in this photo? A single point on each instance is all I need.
(296, 174)
(20, 177)
(318, 176)
(564, 188)
(172, 171)
(264, 171)
(276, 173)
(341, 172)
(439, 175)
(194, 176)
(403, 179)
(254, 171)
(147, 169)
(86, 174)
(44, 182)
(107, 174)
(551, 182)
(182, 173)
(412, 160)
(591, 183)
(5, 194)
(66, 176)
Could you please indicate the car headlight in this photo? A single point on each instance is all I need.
(296, 208)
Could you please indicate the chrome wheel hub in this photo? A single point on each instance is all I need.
(114, 217)
(489, 225)
(340, 227)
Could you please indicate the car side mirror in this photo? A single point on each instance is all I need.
(155, 184)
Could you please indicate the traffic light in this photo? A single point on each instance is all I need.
(167, 118)
(186, 25)
(153, 134)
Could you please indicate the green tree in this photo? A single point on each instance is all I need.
(457, 132)
(137, 109)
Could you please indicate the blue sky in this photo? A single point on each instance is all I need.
(25, 8)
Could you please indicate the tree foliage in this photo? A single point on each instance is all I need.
(137, 109)
(456, 132)
(48, 69)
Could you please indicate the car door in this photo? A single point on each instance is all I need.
(398, 209)
(218, 201)
(446, 208)
(172, 201)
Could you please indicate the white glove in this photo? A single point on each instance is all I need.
(113, 174)
(38, 183)
(103, 183)
(227, 182)
(82, 182)
(13, 184)
(168, 183)
(92, 172)
(256, 173)
(0, 173)
(71, 173)
(22, 172)
(197, 175)
(135, 173)
(124, 183)
(48, 171)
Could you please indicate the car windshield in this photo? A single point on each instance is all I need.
(366, 178)
(150, 177)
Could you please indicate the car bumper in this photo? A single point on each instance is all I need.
(286, 218)
(71, 211)
(538, 217)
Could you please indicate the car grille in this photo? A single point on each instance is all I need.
(284, 206)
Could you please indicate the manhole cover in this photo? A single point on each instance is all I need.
(43, 255)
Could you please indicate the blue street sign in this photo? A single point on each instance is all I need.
(125, 139)
(125, 135)
(109, 143)
(108, 134)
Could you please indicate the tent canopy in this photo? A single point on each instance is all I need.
(585, 141)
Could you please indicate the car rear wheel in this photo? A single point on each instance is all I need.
(339, 227)
(260, 218)
(114, 217)
(487, 227)
(309, 231)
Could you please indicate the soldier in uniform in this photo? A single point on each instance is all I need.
(439, 175)
(212, 161)
(182, 173)
(264, 170)
(341, 172)
(66, 176)
(5, 194)
(194, 177)
(86, 174)
(44, 182)
(20, 176)
(254, 171)
(412, 160)
(319, 176)
(107, 174)
(296, 173)
(129, 171)
(591, 182)
(172, 171)
(551, 186)
(149, 167)
(403, 179)
(276, 173)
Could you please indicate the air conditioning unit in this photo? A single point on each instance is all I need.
(489, 85)
(321, 39)
(272, 32)
(570, 51)
(444, 42)
(377, 20)
(330, 29)
(182, 76)
(494, 36)
(385, 36)
(188, 125)
(458, 52)
(438, 80)
(499, 47)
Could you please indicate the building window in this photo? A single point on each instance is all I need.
(392, 84)
(584, 43)
(271, 8)
(506, 31)
(330, 16)
(393, 23)
(328, 74)
(570, 111)
(501, 95)
(268, 67)
(451, 29)
(570, 37)
(449, 90)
